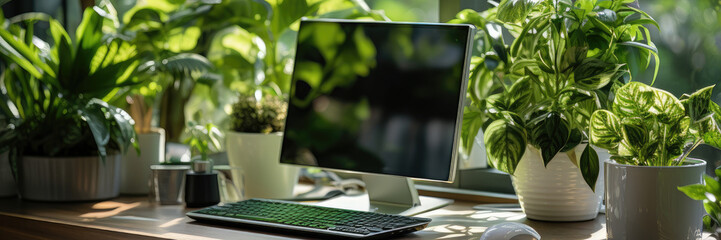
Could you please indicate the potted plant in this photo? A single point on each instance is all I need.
(534, 97)
(253, 146)
(201, 183)
(649, 134)
(135, 170)
(66, 140)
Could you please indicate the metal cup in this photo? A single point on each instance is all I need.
(168, 184)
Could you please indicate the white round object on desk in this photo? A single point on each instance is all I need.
(510, 231)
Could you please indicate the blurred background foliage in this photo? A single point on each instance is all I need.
(250, 42)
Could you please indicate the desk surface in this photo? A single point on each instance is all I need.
(137, 218)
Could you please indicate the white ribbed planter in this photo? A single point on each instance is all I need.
(7, 181)
(135, 172)
(255, 158)
(69, 178)
(556, 192)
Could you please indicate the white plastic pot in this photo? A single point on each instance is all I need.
(643, 202)
(557, 192)
(135, 172)
(7, 181)
(255, 160)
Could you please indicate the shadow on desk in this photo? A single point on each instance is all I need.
(459, 223)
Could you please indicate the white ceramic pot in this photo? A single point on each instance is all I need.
(255, 159)
(7, 181)
(69, 178)
(643, 202)
(135, 172)
(558, 191)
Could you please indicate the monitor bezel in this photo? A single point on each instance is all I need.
(461, 100)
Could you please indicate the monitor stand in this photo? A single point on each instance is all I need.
(388, 194)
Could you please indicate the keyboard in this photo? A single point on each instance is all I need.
(283, 216)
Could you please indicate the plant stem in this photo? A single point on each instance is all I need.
(685, 154)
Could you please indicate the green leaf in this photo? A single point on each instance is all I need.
(593, 73)
(515, 10)
(606, 16)
(589, 166)
(573, 56)
(694, 191)
(640, 45)
(639, 19)
(186, 63)
(633, 100)
(575, 138)
(600, 25)
(94, 116)
(635, 132)
(666, 107)
(713, 136)
(519, 96)
(550, 135)
(571, 96)
(505, 142)
(605, 129)
(712, 186)
(697, 104)
(472, 122)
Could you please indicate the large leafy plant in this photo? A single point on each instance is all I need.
(564, 61)
(254, 44)
(55, 95)
(167, 35)
(647, 126)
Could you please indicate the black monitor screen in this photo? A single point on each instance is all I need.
(377, 97)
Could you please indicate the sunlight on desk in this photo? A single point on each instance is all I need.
(116, 207)
(172, 222)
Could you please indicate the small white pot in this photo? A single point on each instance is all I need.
(255, 159)
(557, 192)
(69, 178)
(643, 202)
(7, 181)
(135, 171)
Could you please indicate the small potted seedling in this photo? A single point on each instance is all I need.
(201, 183)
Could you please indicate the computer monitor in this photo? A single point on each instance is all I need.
(380, 98)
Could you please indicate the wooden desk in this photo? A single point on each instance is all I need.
(137, 218)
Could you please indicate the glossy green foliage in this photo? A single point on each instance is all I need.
(650, 127)
(203, 139)
(168, 37)
(249, 46)
(709, 192)
(254, 44)
(564, 61)
(55, 94)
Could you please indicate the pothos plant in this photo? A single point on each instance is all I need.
(647, 126)
(564, 61)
